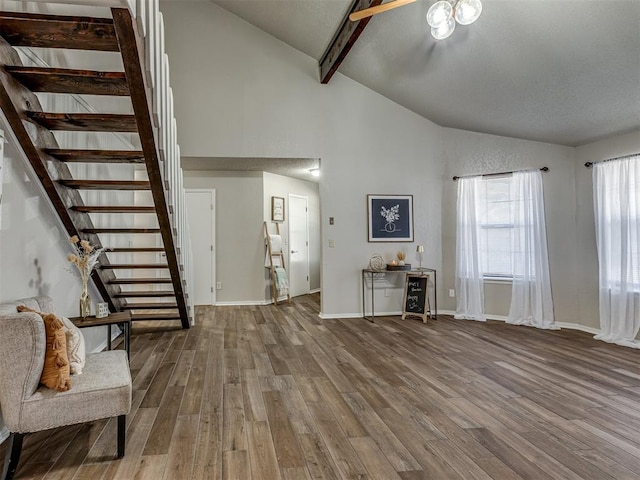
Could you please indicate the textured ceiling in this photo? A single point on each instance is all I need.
(557, 71)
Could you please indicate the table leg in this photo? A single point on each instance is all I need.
(435, 293)
(126, 330)
(364, 296)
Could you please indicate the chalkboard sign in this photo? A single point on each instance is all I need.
(416, 296)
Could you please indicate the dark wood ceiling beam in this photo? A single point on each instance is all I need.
(344, 40)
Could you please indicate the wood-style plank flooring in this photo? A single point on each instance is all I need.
(269, 393)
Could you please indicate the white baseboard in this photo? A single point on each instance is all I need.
(577, 326)
(567, 325)
(331, 316)
(315, 290)
(4, 434)
(244, 303)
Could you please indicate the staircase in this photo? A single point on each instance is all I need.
(127, 280)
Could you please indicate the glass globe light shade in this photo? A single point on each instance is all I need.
(439, 13)
(443, 31)
(468, 11)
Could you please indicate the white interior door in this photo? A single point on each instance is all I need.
(298, 245)
(201, 218)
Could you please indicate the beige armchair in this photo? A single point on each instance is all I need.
(103, 389)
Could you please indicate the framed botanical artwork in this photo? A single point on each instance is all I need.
(277, 209)
(390, 218)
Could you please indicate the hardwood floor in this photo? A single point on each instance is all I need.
(270, 393)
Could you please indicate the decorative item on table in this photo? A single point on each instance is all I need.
(85, 258)
(102, 309)
(376, 262)
(398, 264)
(420, 252)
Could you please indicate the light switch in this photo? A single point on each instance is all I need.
(331, 243)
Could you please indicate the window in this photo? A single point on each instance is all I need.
(498, 204)
(618, 210)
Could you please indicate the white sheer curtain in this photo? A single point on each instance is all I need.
(616, 194)
(531, 301)
(469, 283)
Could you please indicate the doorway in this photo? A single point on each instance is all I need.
(201, 217)
(298, 245)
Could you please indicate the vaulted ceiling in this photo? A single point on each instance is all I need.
(557, 71)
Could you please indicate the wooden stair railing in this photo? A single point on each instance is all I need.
(33, 129)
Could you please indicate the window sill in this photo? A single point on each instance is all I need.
(498, 280)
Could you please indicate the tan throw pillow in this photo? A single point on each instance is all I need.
(55, 372)
(75, 346)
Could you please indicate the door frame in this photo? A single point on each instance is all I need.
(306, 228)
(212, 191)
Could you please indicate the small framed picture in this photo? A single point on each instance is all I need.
(277, 209)
(390, 218)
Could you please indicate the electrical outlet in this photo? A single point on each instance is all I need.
(387, 292)
(331, 243)
(452, 293)
(218, 285)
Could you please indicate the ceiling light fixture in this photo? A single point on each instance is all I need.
(443, 15)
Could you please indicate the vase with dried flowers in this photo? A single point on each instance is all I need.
(401, 256)
(85, 258)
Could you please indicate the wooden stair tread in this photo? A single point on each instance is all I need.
(124, 266)
(151, 293)
(96, 156)
(150, 306)
(106, 184)
(121, 230)
(154, 316)
(54, 31)
(131, 281)
(81, 122)
(112, 209)
(134, 249)
(64, 80)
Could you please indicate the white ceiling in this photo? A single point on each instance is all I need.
(557, 71)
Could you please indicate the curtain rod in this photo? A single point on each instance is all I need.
(543, 169)
(591, 164)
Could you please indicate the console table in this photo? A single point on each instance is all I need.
(416, 271)
(123, 319)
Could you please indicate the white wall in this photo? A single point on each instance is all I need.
(587, 265)
(474, 153)
(243, 93)
(239, 233)
(281, 186)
